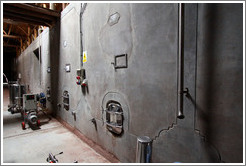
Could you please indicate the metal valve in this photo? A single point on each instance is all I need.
(84, 83)
(80, 76)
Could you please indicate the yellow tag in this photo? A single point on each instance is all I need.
(84, 56)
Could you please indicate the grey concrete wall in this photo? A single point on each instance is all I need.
(149, 84)
(34, 72)
(219, 90)
(69, 53)
(147, 88)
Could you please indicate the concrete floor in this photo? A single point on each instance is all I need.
(33, 146)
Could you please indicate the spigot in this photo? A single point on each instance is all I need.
(93, 120)
(84, 83)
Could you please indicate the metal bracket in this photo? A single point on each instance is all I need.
(186, 92)
(115, 61)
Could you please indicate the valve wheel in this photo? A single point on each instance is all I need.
(23, 125)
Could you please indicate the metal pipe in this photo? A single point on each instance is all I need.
(144, 149)
(81, 35)
(181, 61)
(39, 52)
(82, 9)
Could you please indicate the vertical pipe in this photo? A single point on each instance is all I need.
(144, 148)
(181, 61)
(39, 53)
(82, 9)
(81, 36)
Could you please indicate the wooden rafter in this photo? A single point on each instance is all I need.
(9, 45)
(22, 30)
(4, 32)
(12, 36)
(35, 33)
(29, 34)
(33, 29)
(10, 28)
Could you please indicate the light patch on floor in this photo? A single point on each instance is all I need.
(34, 146)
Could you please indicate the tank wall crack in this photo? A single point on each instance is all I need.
(203, 137)
(165, 130)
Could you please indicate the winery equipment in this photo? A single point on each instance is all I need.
(26, 104)
(29, 111)
(16, 91)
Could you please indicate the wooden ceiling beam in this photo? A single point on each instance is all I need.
(22, 16)
(34, 8)
(9, 45)
(18, 10)
(12, 36)
(30, 14)
(24, 19)
(9, 21)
